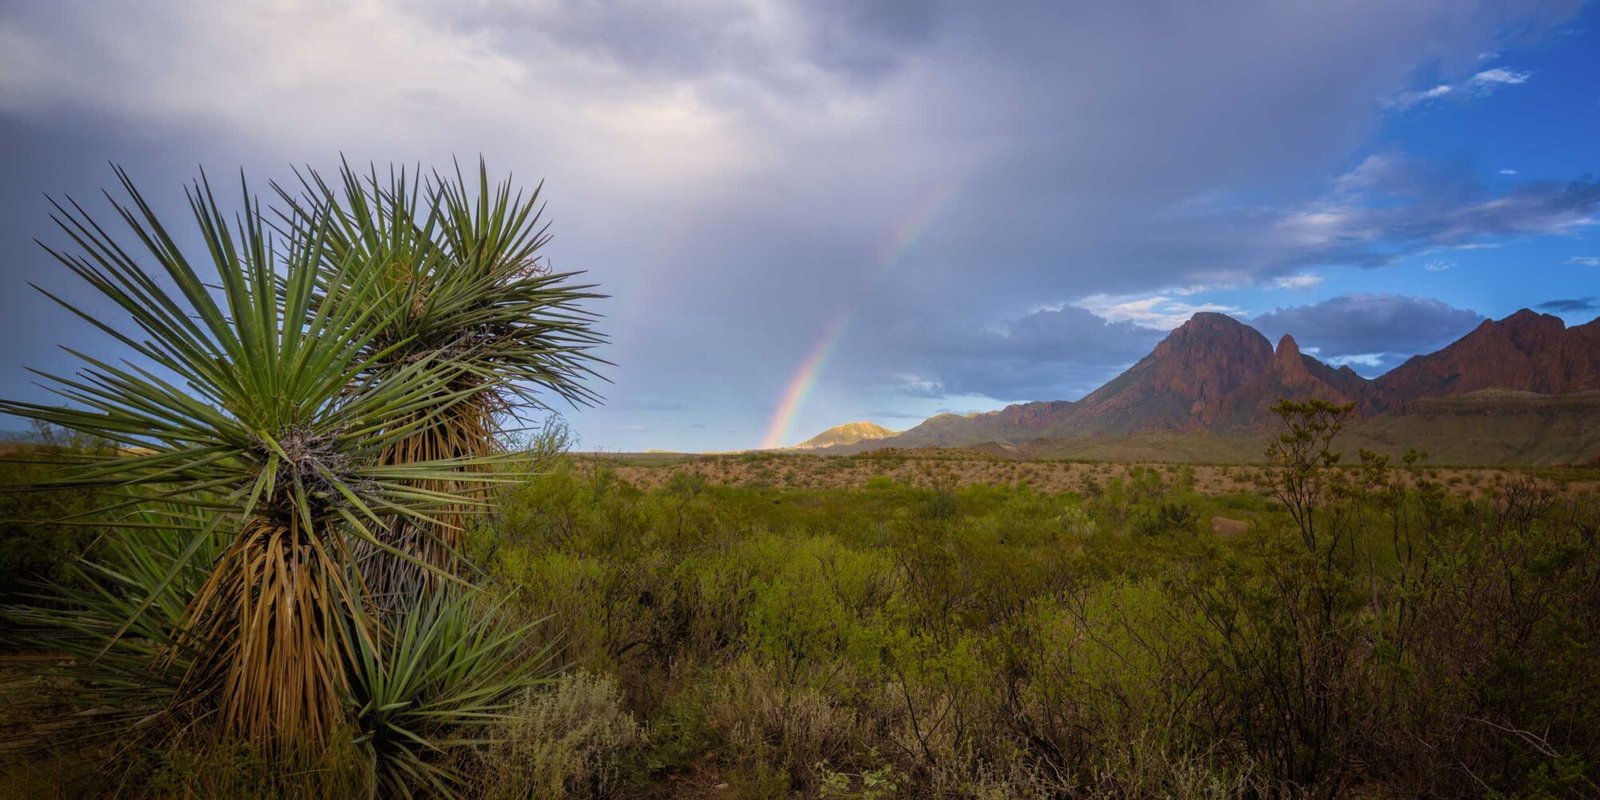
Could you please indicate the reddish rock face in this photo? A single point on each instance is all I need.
(1295, 376)
(1031, 416)
(1526, 352)
(1288, 361)
(1213, 372)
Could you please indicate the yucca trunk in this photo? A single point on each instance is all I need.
(269, 664)
(464, 430)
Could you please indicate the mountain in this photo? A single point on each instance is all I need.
(1019, 422)
(1212, 373)
(1525, 352)
(1218, 376)
(846, 434)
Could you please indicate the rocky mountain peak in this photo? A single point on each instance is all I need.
(1287, 347)
(1288, 363)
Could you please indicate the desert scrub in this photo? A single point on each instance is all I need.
(768, 725)
(793, 643)
(571, 740)
(819, 604)
(220, 770)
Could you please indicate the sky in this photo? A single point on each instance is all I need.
(808, 213)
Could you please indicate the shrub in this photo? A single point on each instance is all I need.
(790, 643)
(767, 725)
(573, 739)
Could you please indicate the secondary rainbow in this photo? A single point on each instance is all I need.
(800, 385)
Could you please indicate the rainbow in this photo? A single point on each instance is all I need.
(902, 239)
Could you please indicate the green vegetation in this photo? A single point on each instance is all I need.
(34, 544)
(309, 572)
(1386, 638)
(1369, 633)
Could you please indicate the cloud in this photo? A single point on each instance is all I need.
(1390, 207)
(733, 172)
(895, 415)
(1369, 330)
(1405, 100)
(710, 39)
(1508, 172)
(1500, 76)
(1574, 305)
(1304, 281)
(1372, 361)
(1478, 85)
(1157, 312)
(1585, 261)
(1437, 265)
(1048, 354)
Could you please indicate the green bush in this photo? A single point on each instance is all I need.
(573, 739)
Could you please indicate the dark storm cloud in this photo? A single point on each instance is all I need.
(1387, 209)
(1046, 355)
(1571, 306)
(860, 41)
(676, 39)
(1385, 217)
(870, 39)
(738, 173)
(42, 159)
(1372, 325)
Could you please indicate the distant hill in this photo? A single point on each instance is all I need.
(846, 434)
(1206, 390)
(1488, 427)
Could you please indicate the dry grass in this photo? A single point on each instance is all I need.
(958, 468)
(564, 741)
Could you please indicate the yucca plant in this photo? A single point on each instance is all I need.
(261, 393)
(421, 696)
(451, 666)
(464, 285)
(109, 625)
